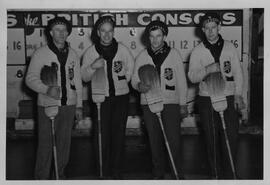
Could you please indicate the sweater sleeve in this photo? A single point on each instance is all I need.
(181, 79)
(78, 82)
(237, 72)
(32, 78)
(135, 77)
(86, 69)
(129, 60)
(196, 71)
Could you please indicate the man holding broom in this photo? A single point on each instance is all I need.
(173, 87)
(117, 63)
(54, 73)
(215, 65)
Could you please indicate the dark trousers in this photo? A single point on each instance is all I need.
(171, 120)
(114, 113)
(214, 135)
(63, 126)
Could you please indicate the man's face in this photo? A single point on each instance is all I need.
(59, 33)
(106, 33)
(211, 30)
(157, 39)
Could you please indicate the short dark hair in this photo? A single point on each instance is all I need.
(59, 20)
(103, 19)
(157, 24)
(210, 17)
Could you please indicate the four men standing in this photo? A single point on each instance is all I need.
(213, 54)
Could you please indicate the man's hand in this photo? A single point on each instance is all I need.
(211, 68)
(79, 113)
(239, 102)
(143, 88)
(183, 111)
(54, 92)
(98, 63)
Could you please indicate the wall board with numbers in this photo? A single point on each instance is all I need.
(26, 33)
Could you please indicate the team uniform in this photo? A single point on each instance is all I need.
(69, 78)
(174, 93)
(114, 110)
(231, 71)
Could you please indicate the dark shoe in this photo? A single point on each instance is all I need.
(104, 178)
(62, 177)
(173, 177)
(117, 176)
(160, 177)
(214, 177)
(181, 177)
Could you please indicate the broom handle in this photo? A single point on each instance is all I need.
(54, 149)
(99, 141)
(221, 113)
(167, 146)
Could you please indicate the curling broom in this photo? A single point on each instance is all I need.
(149, 76)
(51, 112)
(48, 76)
(98, 96)
(216, 86)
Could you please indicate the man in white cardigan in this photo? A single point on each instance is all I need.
(214, 55)
(168, 62)
(66, 93)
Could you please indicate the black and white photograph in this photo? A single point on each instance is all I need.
(139, 92)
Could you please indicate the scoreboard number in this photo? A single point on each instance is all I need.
(235, 43)
(81, 46)
(81, 32)
(133, 45)
(15, 46)
(184, 44)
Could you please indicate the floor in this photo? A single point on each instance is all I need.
(20, 158)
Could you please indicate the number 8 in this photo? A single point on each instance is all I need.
(133, 45)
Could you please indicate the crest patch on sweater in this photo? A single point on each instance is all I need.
(227, 67)
(168, 73)
(117, 66)
(71, 76)
(71, 72)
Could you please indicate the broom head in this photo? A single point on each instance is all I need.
(219, 103)
(48, 74)
(215, 84)
(98, 85)
(149, 76)
(216, 87)
(51, 111)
